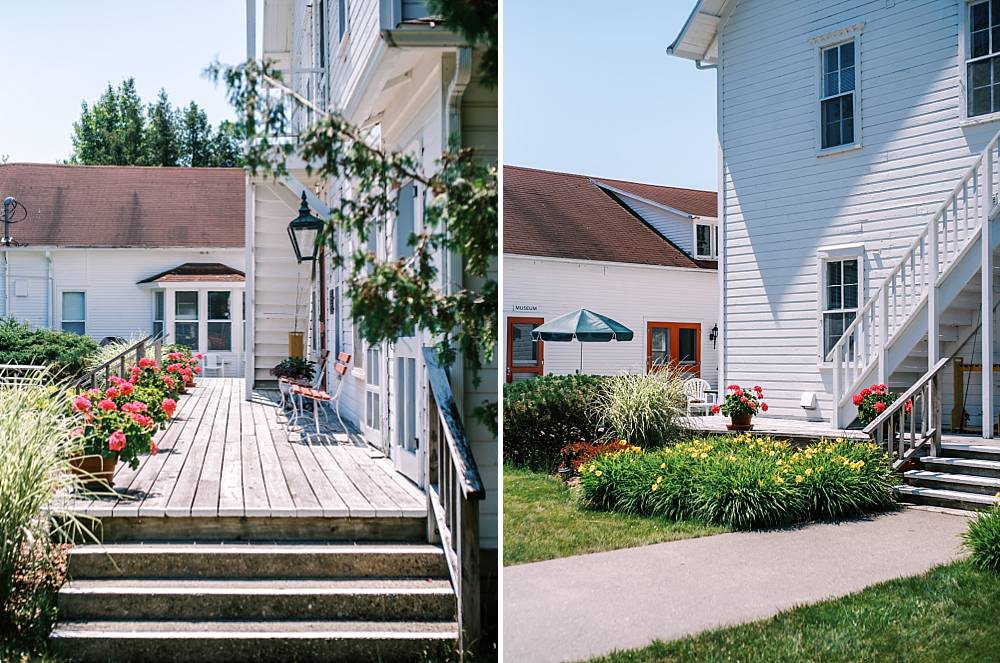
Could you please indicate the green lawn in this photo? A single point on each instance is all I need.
(543, 520)
(951, 613)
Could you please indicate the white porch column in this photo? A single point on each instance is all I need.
(988, 332)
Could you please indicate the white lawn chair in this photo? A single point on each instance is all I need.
(213, 362)
(698, 400)
(318, 396)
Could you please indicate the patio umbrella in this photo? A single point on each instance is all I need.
(582, 325)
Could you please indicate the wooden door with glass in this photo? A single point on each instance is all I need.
(674, 344)
(525, 357)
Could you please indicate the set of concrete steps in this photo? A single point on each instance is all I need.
(253, 601)
(964, 476)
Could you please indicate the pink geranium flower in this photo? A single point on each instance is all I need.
(117, 441)
(81, 404)
(147, 362)
(169, 406)
(107, 406)
(153, 448)
(111, 392)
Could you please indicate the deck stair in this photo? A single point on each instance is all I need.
(962, 476)
(236, 601)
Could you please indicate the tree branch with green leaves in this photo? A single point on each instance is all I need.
(391, 297)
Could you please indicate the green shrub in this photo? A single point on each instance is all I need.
(742, 482)
(542, 415)
(983, 539)
(35, 444)
(176, 347)
(64, 353)
(644, 409)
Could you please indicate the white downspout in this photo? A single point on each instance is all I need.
(50, 313)
(6, 282)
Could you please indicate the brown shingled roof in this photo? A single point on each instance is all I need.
(126, 206)
(198, 271)
(562, 215)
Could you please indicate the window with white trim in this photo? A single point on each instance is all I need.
(841, 289)
(837, 103)
(343, 18)
(74, 312)
(158, 311)
(186, 318)
(706, 241)
(982, 58)
(219, 326)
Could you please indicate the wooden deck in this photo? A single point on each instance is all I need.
(224, 457)
(793, 429)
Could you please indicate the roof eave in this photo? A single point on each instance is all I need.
(685, 47)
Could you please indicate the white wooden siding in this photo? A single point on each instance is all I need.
(281, 286)
(631, 294)
(674, 227)
(782, 202)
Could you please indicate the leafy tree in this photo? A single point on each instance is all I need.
(116, 131)
(460, 216)
(195, 138)
(227, 145)
(476, 20)
(161, 141)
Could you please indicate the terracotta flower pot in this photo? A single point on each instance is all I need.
(97, 471)
(740, 422)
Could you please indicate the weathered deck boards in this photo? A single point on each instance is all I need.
(794, 429)
(225, 457)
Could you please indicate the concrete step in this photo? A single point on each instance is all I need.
(969, 466)
(959, 482)
(256, 560)
(970, 450)
(367, 599)
(947, 498)
(304, 641)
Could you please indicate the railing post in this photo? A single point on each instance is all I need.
(985, 238)
(933, 322)
(836, 387)
(935, 410)
(468, 547)
(158, 350)
(883, 333)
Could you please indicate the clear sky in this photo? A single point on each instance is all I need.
(56, 53)
(590, 89)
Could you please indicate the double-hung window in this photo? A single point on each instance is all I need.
(840, 301)
(186, 318)
(74, 312)
(706, 241)
(982, 64)
(219, 325)
(837, 95)
(158, 310)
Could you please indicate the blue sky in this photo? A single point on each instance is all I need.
(589, 88)
(56, 53)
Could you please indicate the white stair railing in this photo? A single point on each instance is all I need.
(952, 229)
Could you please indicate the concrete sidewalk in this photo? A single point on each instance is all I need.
(579, 607)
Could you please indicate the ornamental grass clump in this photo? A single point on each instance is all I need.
(35, 445)
(982, 538)
(644, 409)
(743, 482)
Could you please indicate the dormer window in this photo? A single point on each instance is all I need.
(706, 241)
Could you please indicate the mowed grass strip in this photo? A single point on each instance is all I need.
(951, 613)
(543, 519)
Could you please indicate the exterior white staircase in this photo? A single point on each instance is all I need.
(939, 289)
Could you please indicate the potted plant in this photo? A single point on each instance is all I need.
(740, 405)
(295, 369)
(872, 401)
(113, 426)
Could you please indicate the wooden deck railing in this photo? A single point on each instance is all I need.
(99, 376)
(454, 489)
(904, 434)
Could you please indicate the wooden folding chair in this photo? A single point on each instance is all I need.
(318, 396)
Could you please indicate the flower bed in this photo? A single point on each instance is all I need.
(743, 482)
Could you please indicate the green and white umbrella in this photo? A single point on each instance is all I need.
(582, 325)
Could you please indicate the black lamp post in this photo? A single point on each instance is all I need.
(302, 231)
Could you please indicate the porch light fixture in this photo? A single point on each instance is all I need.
(302, 231)
(714, 334)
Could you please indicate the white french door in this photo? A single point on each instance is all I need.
(374, 396)
(407, 450)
